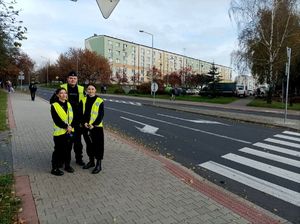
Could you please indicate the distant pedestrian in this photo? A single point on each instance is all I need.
(9, 87)
(62, 115)
(173, 93)
(32, 88)
(92, 112)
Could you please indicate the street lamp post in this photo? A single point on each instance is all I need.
(48, 62)
(152, 62)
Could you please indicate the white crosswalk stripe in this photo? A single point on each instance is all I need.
(288, 137)
(291, 133)
(271, 156)
(277, 149)
(254, 182)
(283, 142)
(123, 101)
(264, 167)
(283, 159)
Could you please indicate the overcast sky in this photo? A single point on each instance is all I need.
(196, 28)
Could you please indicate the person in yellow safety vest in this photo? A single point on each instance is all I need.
(75, 95)
(92, 111)
(62, 115)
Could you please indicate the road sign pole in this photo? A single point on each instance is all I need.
(287, 81)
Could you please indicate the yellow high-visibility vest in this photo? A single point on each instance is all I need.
(65, 117)
(80, 90)
(94, 110)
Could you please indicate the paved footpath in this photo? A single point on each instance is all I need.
(135, 185)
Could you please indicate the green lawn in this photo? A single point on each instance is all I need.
(3, 103)
(9, 204)
(274, 104)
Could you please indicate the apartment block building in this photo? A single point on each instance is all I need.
(135, 59)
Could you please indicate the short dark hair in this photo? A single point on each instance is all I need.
(91, 84)
(59, 89)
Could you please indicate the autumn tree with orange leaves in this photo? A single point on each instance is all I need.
(90, 67)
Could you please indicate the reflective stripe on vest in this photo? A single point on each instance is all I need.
(65, 117)
(79, 87)
(94, 110)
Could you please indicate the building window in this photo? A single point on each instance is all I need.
(118, 60)
(118, 44)
(118, 53)
(109, 42)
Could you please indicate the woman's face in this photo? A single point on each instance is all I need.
(62, 95)
(91, 90)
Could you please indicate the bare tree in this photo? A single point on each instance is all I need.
(266, 28)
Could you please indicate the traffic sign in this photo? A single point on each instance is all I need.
(107, 6)
(21, 77)
(154, 87)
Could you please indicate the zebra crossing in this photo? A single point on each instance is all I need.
(123, 101)
(283, 149)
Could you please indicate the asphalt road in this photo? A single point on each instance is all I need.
(258, 163)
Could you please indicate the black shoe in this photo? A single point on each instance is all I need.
(69, 169)
(80, 162)
(98, 167)
(89, 165)
(57, 172)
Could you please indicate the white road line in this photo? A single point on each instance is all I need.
(199, 121)
(278, 149)
(271, 156)
(288, 137)
(291, 133)
(283, 142)
(264, 167)
(122, 101)
(181, 126)
(277, 191)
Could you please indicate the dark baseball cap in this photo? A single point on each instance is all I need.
(72, 73)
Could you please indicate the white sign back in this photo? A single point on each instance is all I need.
(107, 6)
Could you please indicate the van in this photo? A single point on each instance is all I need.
(241, 90)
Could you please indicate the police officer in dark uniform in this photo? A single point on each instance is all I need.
(75, 95)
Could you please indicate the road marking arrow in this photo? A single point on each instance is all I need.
(148, 129)
(199, 121)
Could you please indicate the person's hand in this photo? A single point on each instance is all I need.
(91, 126)
(86, 125)
(69, 129)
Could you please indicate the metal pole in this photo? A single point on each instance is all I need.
(152, 61)
(287, 81)
(47, 72)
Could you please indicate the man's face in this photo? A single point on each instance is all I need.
(72, 80)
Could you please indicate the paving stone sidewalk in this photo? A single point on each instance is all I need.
(132, 188)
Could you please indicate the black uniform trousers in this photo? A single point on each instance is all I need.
(62, 150)
(32, 93)
(94, 140)
(77, 143)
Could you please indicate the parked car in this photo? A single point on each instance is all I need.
(192, 91)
